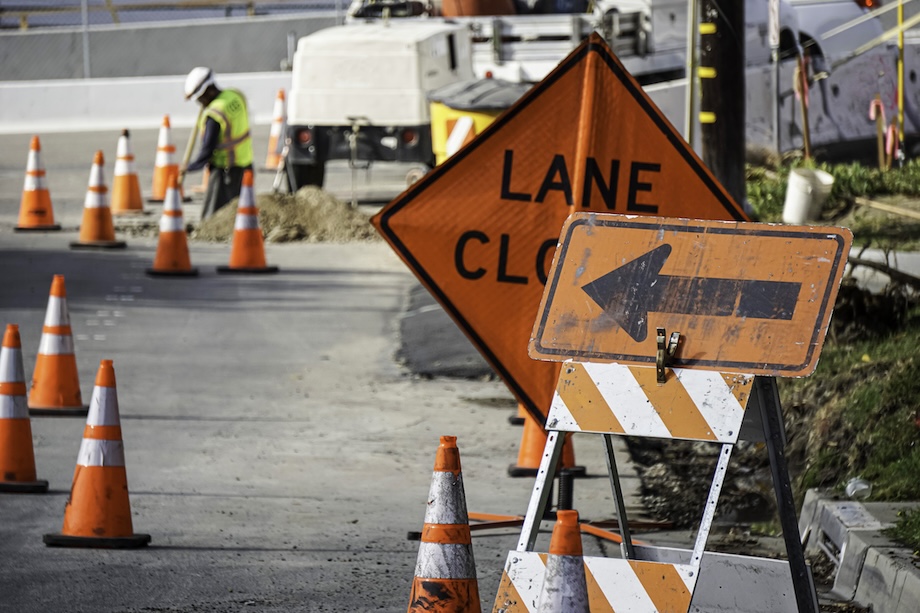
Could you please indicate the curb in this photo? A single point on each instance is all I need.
(872, 570)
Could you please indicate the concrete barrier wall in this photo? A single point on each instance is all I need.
(237, 45)
(99, 104)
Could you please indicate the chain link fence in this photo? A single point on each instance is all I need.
(65, 39)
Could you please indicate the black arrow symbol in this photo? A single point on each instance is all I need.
(629, 293)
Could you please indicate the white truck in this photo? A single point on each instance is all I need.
(359, 90)
(360, 93)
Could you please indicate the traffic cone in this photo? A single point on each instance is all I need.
(276, 135)
(17, 460)
(55, 384)
(172, 258)
(126, 190)
(518, 418)
(445, 572)
(247, 251)
(565, 589)
(98, 512)
(96, 229)
(35, 212)
(165, 165)
(533, 442)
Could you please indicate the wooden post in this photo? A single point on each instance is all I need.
(722, 104)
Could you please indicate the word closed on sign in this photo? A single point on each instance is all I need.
(480, 230)
(745, 297)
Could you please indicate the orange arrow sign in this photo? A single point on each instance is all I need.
(480, 230)
(745, 297)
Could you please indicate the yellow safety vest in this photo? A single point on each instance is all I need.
(234, 146)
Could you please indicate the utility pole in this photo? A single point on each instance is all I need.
(721, 72)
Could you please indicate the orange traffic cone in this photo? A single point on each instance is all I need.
(98, 512)
(445, 572)
(565, 589)
(172, 258)
(35, 212)
(55, 384)
(96, 229)
(533, 442)
(17, 460)
(518, 418)
(126, 189)
(165, 165)
(247, 251)
(276, 135)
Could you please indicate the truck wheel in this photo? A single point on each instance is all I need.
(300, 175)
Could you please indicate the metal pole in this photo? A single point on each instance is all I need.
(693, 16)
(84, 13)
(901, 74)
(771, 415)
(774, 73)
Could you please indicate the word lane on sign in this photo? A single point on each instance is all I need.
(745, 297)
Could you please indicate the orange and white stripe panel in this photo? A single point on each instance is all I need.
(614, 585)
(628, 400)
(460, 133)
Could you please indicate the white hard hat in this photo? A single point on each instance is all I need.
(197, 81)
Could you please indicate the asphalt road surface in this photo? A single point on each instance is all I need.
(276, 452)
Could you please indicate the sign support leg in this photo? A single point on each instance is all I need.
(626, 545)
(541, 491)
(771, 412)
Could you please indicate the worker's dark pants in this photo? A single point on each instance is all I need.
(223, 186)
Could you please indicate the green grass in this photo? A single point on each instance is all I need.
(907, 530)
(865, 422)
(766, 191)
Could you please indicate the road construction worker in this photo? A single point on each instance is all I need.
(226, 146)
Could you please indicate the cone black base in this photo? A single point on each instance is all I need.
(63, 412)
(522, 471)
(100, 245)
(53, 228)
(514, 420)
(246, 271)
(172, 273)
(131, 213)
(91, 542)
(161, 200)
(24, 487)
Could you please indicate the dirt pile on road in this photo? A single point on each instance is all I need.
(310, 215)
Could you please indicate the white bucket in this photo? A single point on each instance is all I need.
(805, 194)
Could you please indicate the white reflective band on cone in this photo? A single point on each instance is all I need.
(171, 201)
(446, 500)
(14, 407)
(169, 223)
(163, 138)
(95, 200)
(34, 183)
(164, 158)
(124, 147)
(246, 222)
(103, 408)
(34, 162)
(11, 365)
(564, 586)
(55, 344)
(95, 452)
(57, 314)
(123, 167)
(445, 561)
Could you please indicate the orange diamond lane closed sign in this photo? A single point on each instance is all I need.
(480, 230)
(745, 297)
